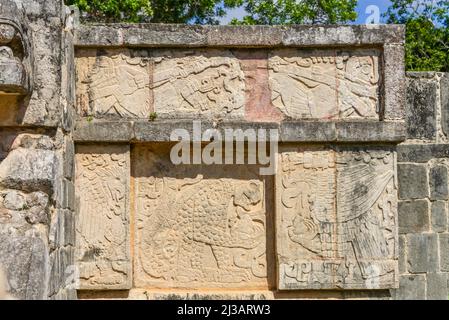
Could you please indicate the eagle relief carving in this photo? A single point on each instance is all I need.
(338, 215)
(102, 228)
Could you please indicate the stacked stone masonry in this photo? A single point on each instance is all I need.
(92, 206)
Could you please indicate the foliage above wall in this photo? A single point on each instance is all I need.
(156, 11)
(427, 21)
(427, 37)
(295, 12)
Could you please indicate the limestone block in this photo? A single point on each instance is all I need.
(24, 257)
(444, 91)
(336, 223)
(413, 216)
(437, 286)
(411, 287)
(113, 85)
(28, 169)
(200, 226)
(102, 226)
(439, 183)
(422, 253)
(326, 84)
(199, 82)
(439, 216)
(413, 181)
(444, 251)
(421, 108)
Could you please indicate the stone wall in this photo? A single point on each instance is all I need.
(423, 189)
(323, 225)
(91, 205)
(36, 149)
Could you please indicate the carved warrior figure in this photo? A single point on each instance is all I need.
(119, 85)
(15, 54)
(352, 227)
(198, 83)
(102, 226)
(203, 219)
(322, 85)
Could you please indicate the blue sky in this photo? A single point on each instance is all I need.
(361, 10)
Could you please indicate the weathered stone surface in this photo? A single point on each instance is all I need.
(15, 68)
(206, 83)
(422, 253)
(64, 195)
(363, 131)
(69, 158)
(439, 216)
(200, 226)
(394, 91)
(258, 104)
(422, 153)
(444, 91)
(103, 249)
(323, 196)
(413, 181)
(437, 286)
(413, 216)
(204, 72)
(411, 287)
(289, 130)
(90, 131)
(438, 183)
(168, 35)
(113, 84)
(28, 169)
(444, 251)
(402, 246)
(24, 256)
(421, 108)
(325, 84)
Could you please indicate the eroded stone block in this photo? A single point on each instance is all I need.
(200, 226)
(336, 219)
(325, 84)
(102, 228)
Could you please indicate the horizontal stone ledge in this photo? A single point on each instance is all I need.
(422, 153)
(176, 35)
(289, 131)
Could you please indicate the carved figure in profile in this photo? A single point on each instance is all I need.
(119, 85)
(197, 82)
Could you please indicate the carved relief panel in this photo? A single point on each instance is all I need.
(326, 84)
(199, 226)
(102, 228)
(191, 83)
(336, 218)
(113, 84)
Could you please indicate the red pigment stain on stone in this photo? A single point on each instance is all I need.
(258, 106)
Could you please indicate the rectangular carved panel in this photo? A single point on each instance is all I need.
(113, 84)
(326, 84)
(200, 226)
(198, 82)
(336, 218)
(102, 228)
